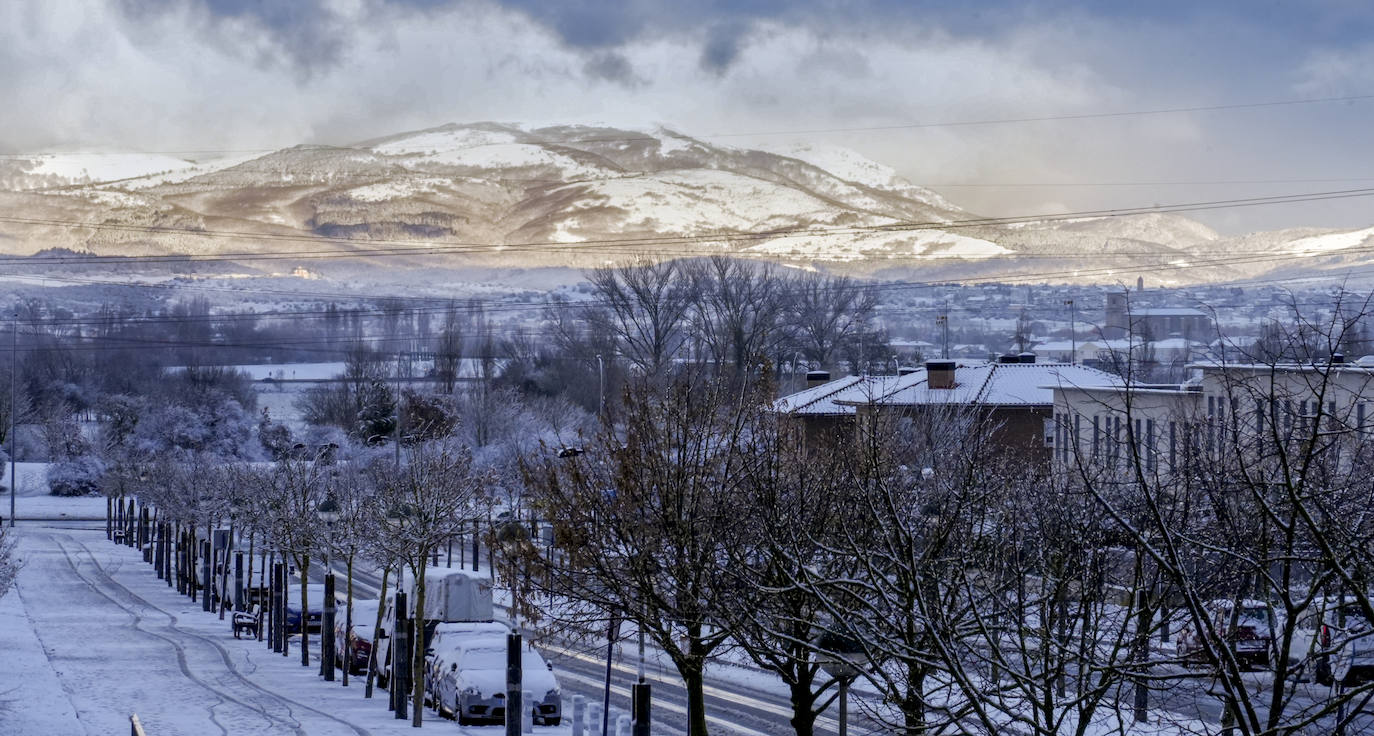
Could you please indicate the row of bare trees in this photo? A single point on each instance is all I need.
(989, 593)
(726, 312)
(393, 517)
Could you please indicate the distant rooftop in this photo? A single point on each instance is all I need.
(975, 383)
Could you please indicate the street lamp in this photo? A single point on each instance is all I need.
(844, 659)
(327, 512)
(397, 517)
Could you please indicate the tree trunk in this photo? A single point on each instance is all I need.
(913, 704)
(803, 704)
(348, 623)
(376, 635)
(693, 678)
(305, 610)
(417, 645)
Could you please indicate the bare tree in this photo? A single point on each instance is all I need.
(738, 312)
(1254, 511)
(645, 306)
(645, 519)
(827, 313)
(434, 496)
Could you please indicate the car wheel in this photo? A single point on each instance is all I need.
(552, 721)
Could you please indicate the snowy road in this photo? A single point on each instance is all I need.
(93, 636)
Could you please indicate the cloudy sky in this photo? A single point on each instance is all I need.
(177, 75)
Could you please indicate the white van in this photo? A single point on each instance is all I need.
(452, 595)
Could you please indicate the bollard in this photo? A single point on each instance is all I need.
(622, 725)
(593, 719)
(527, 712)
(579, 716)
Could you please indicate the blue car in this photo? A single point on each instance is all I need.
(314, 617)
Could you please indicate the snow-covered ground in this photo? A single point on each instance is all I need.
(91, 636)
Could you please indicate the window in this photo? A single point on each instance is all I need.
(1097, 435)
(1173, 446)
(1077, 426)
(1150, 454)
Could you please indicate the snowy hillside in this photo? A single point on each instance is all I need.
(506, 196)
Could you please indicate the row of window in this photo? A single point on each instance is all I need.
(1111, 438)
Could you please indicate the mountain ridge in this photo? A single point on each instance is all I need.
(592, 194)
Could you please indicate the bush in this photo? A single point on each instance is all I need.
(78, 476)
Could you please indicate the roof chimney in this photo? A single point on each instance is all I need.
(940, 373)
(1008, 358)
(1027, 357)
(816, 378)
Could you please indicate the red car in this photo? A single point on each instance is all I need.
(355, 650)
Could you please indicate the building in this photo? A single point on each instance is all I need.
(1223, 409)
(1115, 355)
(1122, 320)
(1014, 395)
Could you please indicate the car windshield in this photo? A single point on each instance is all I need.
(484, 659)
(1256, 616)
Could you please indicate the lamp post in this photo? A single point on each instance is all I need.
(327, 512)
(14, 408)
(399, 517)
(843, 659)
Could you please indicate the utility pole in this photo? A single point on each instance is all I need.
(1073, 333)
(398, 410)
(601, 391)
(943, 321)
(14, 407)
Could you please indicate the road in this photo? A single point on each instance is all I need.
(731, 707)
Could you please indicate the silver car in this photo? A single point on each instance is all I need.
(471, 684)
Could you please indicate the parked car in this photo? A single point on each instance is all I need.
(1345, 643)
(1251, 639)
(471, 684)
(314, 616)
(354, 650)
(450, 637)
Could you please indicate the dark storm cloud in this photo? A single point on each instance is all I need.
(611, 66)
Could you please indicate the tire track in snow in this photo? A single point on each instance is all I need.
(137, 625)
(224, 654)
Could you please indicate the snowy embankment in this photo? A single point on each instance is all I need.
(33, 500)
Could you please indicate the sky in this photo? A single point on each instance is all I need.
(884, 77)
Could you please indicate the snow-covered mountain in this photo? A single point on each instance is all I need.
(507, 196)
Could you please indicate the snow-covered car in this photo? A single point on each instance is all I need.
(1251, 639)
(471, 684)
(293, 610)
(450, 637)
(1345, 641)
(354, 650)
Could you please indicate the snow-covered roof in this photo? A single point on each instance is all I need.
(981, 383)
(817, 400)
(1168, 312)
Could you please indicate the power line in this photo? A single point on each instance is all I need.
(1292, 102)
